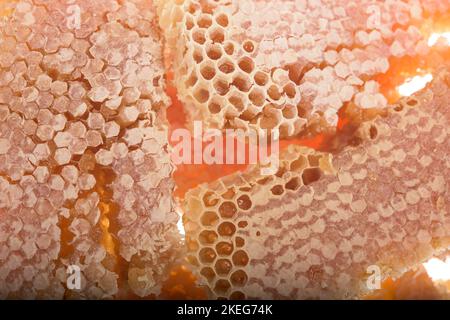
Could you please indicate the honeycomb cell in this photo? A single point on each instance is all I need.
(222, 87)
(214, 107)
(207, 255)
(226, 229)
(239, 278)
(311, 175)
(227, 210)
(244, 202)
(277, 190)
(257, 97)
(222, 286)
(216, 35)
(208, 273)
(223, 267)
(222, 20)
(293, 184)
(204, 21)
(226, 66)
(248, 46)
(199, 36)
(261, 78)
(229, 48)
(240, 258)
(240, 242)
(246, 64)
(229, 194)
(224, 248)
(208, 237)
(242, 82)
(208, 71)
(210, 199)
(214, 51)
(209, 219)
(202, 95)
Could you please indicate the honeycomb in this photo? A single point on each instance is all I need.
(85, 174)
(315, 228)
(86, 178)
(287, 65)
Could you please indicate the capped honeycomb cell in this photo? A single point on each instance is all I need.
(317, 56)
(321, 225)
(82, 97)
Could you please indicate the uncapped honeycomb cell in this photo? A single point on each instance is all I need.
(85, 176)
(322, 225)
(286, 65)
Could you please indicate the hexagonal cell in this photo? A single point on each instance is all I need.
(289, 111)
(210, 199)
(201, 94)
(274, 93)
(226, 65)
(222, 19)
(257, 97)
(289, 90)
(191, 244)
(207, 255)
(222, 286)
(237, 99)
(228, 47)
(242, 82)
(208, 273)
(240, 258)
(311, 175)
(221, 86)
(226, 229)
(223, 267)
(243, 224)
(277, 190)
(299, 164)
(313, 160)
(248, 46)
(216, 35)
(224, 248)
(261, 78)
(227, 210)
(240, 242)
(246, 64)
(239, 278)
(214, 51)
(198, 35)
(214, 107)
(189, 22)
(208, 237)
(193, 260)
(244, 202)
(271, 117)
(293, 184)
(209, 219)
(207, 70)
(229, 194)
(204, 21)
(198, 55)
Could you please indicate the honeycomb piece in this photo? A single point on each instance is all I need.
(317, 227)
(286, 65)
(85, 176)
